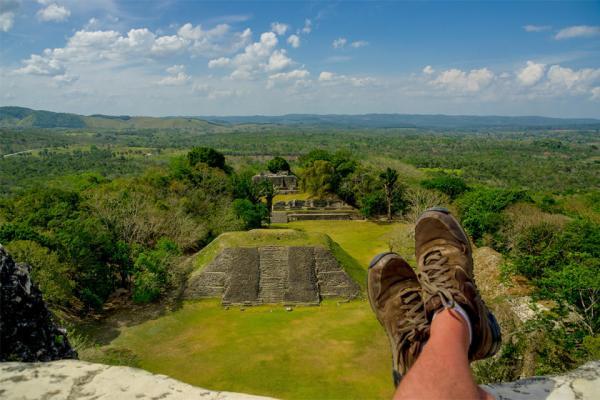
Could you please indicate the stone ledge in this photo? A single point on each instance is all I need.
(580, 384)
(71, 379)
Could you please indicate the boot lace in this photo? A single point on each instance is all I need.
(438, 279)
(414, 324)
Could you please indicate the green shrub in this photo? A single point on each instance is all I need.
(480, 209)
(54, 278)
(206, 155)
(592, 345)
(319, 178)
(373, 204)
(152, 276)
(314, 155)
(253, 215)
(564, 265)
(451, 185)
(278, 164)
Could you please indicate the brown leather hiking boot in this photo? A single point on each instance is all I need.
(395, 297)
(445, 265)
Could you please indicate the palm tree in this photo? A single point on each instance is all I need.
(389, 177)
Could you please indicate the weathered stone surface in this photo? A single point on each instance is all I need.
(580, 384)
(27, 331)
(212, 282)
(243, 283)
(302, 281)
(272, 274)
(79, 380)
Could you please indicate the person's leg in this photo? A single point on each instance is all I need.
(442, 369)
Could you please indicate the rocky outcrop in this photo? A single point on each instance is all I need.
(27, 331)
(580, 384)
(272, 274)
(79, 380)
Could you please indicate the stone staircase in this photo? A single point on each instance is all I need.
(273, 274)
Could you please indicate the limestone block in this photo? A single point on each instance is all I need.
(273, 273)
(580, 384)
(302, 280)
(79, 380)
(243, 276)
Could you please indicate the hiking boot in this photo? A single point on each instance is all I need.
(445, 264)
(395, 297)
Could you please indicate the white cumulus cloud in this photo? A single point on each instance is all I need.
(458, 80)
(428, 70)
(531, 73)
(219, 62)
(359, 43)
(294, 41)
(260, 56)
(307, 26)
(578, 31)
(42, 65)
(536, 28)
(339, 43)
(176, 77)
(326, 76)
(54, 13)
(138, 45)
(295, 74)
(278, 61)
(578, 81)
(331, 78)
(279, 28)
(8, 10)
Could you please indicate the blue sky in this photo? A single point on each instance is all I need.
(235, 58)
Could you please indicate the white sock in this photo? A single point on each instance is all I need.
(461, 311)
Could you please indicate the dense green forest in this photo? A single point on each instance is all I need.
(95, 210)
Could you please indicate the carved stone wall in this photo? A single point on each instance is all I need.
(283, 182)
(272, 274)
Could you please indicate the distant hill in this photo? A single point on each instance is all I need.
(20, 117)
(410, 121)
(27, 118)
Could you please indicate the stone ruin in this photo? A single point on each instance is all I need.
(272, 274)
(312, 209)
(283, 181)
(27, 330)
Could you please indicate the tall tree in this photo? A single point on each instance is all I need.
(267, 190)
(278, 164)
(389, 177)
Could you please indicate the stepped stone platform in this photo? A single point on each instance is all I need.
(272, 274)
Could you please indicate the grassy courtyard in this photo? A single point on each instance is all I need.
(334, 351)
(363, 239)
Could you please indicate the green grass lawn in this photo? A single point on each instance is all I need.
(363, 239)
(333, 351)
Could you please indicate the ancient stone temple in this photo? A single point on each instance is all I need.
(272, 274)
(283, 181)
